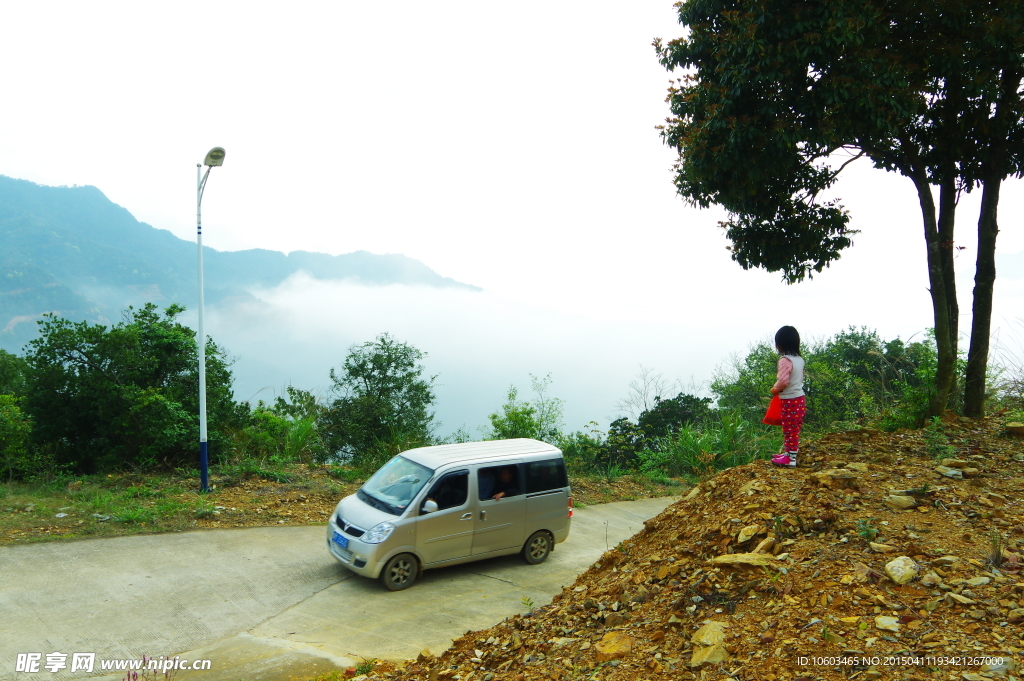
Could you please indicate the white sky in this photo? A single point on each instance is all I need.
(511, 146)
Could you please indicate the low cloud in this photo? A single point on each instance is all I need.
(479, 343)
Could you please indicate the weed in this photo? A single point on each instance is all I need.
(343, 473)
(995, 549)
(936, 443)
(528, 604)
(133, 515)
(204, 509)
(865, 531)
(922, 491)
(366, 666)
(612, 471)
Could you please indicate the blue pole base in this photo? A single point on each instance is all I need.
(204, 468)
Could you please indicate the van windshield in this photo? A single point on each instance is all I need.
(395, 485)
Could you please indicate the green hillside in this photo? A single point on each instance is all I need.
(70, 250)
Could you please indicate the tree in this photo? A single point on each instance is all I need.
(12, 374)
(124, 397)
(780, 95)
(668, 416)
(644, 390)
(15, 430)
(383, 402)
(539, 420)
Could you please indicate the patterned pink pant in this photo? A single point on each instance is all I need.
(793, 411)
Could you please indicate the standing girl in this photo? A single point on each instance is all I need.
(790, 389)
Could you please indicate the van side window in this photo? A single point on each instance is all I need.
(542, 476)
(495, 480)
(451, 491)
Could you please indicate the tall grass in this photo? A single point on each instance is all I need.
(696, 451)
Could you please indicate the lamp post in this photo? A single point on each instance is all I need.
(214, 157)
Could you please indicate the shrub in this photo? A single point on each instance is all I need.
(124, 397)
(539, 420)
(15, 429)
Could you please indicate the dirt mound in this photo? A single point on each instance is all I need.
(871, 560)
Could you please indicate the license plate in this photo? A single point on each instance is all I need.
(340, 539)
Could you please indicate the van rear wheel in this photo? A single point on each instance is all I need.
(537, 548)
(399, 572)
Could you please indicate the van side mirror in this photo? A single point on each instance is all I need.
(429, 506)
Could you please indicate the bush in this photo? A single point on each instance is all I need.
(699, 450)
(124, 397)
(286, 432)
(15, 429)
(583, 452)
(541, 420)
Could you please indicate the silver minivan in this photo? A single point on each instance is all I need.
(450, 504)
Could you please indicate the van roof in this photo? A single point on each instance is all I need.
(432, 457)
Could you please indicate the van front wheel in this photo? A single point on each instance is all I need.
(537, 548)
(399, 572)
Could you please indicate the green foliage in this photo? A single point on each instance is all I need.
(382, 405)
(582, 451)
(725, 441)
(12, 374)
(778, 97)
(287, 431)
(936, 442)
(994, 554)
(124, 397)
(539, 420)
(865, 530)
(668, 416)
(15, 430)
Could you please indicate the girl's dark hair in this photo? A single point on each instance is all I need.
(787, 340)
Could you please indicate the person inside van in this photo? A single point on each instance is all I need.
(506, 485)
(451, 491)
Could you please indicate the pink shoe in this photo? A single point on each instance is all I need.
(787, 460)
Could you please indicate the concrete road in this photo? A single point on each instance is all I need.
(265, 603)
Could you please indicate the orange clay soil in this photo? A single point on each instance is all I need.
(864, 562)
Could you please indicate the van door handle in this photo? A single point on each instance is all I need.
(466, 516)
(483, 515)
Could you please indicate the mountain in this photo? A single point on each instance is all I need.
(72, 251)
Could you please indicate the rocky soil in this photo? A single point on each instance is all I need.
(872, 560)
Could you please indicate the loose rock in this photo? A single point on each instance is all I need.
(902, 570)
(613, 646)
(709, 645)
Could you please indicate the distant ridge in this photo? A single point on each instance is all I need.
(72, 251)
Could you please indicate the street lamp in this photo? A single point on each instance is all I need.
(214, 157)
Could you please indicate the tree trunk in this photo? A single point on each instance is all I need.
(940, 306)
(994, 169)
(984, 281)
(947, 222)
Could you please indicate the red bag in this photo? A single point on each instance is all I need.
(774, 415)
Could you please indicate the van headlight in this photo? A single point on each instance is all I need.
(378, 533)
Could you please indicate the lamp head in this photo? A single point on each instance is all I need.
(214, 157)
